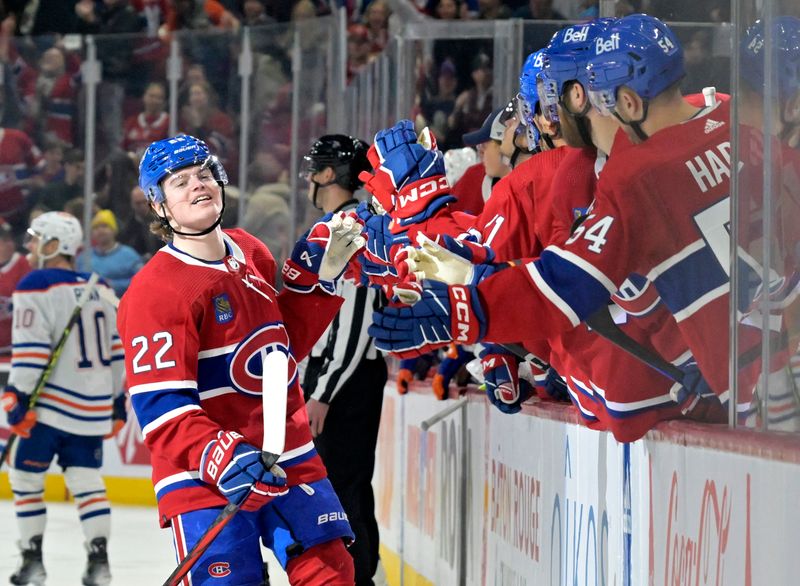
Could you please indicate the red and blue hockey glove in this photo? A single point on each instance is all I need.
(695, 397)
(555, 387)
(440, 315)
(451, 261)
(409, 180)
(382, 244)
(322, 254)
(20, 419)
(504, 388)
(453, 360)
(236, 468)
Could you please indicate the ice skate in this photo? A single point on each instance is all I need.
(97, 571)
(31, 570)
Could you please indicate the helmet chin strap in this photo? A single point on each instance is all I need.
(317, 185)
(165, 222)
(581, 121)
(635, 125)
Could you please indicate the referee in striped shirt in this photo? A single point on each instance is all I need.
(346, 374)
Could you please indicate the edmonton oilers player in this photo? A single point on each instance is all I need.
(194, 375)
(80, 402)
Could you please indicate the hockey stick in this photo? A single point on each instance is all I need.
(55, 354)
(602, 323)
(274, 387)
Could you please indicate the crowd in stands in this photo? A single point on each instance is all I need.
(42, 97)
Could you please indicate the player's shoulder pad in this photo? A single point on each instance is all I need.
(44, 279)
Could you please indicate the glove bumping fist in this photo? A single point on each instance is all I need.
(321, 256)
(408, 179)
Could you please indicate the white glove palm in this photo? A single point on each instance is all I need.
(345, 241)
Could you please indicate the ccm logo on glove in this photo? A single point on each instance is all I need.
(462, 312)
(218, 453)
(423, 189)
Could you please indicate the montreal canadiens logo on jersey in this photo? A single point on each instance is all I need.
(246, 361)
(222, 309)
(219, 569)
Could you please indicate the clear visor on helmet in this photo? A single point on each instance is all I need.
(525, 112)
(548, 97)
(309, 167)
(603, 80)
(604, 100)
(509, 112)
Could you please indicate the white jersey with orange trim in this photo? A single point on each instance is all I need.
(77, 397)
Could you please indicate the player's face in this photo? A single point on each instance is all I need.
(193, 197)
(493, 160)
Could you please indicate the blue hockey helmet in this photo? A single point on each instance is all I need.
(528, 98)
(166, 156)
(638, 51)
(564, 60)
(785, 57)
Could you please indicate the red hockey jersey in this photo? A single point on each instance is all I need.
(661, 211)
(192, 332)
(10, 274)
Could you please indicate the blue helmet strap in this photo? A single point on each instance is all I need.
(165, 222)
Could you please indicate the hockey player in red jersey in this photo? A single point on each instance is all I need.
(660, 211)
(194, 375)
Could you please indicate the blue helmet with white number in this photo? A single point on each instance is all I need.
(166, 156)
(785, 57)
(564, 60)
(639, 52)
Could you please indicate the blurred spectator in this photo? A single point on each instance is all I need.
(56, 194)
(304, 9)
(76, 206)
(53, 157)
(698, 63)
(136, 231)
(114, 178)
(267, 218)
(254, 13)
(493, 10)
(475, 104)
(358, 46)
(46, 17)
(13, 266)
(201, 118)
(151, 124)
(439, 102)
(114, 262)
(539, 10)
(10, 111)
(376, 19)
(446, 9)
(53, 110)
(154, 13)
(20, 162)
(111, 21)
(588, 9)
(200, 15)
